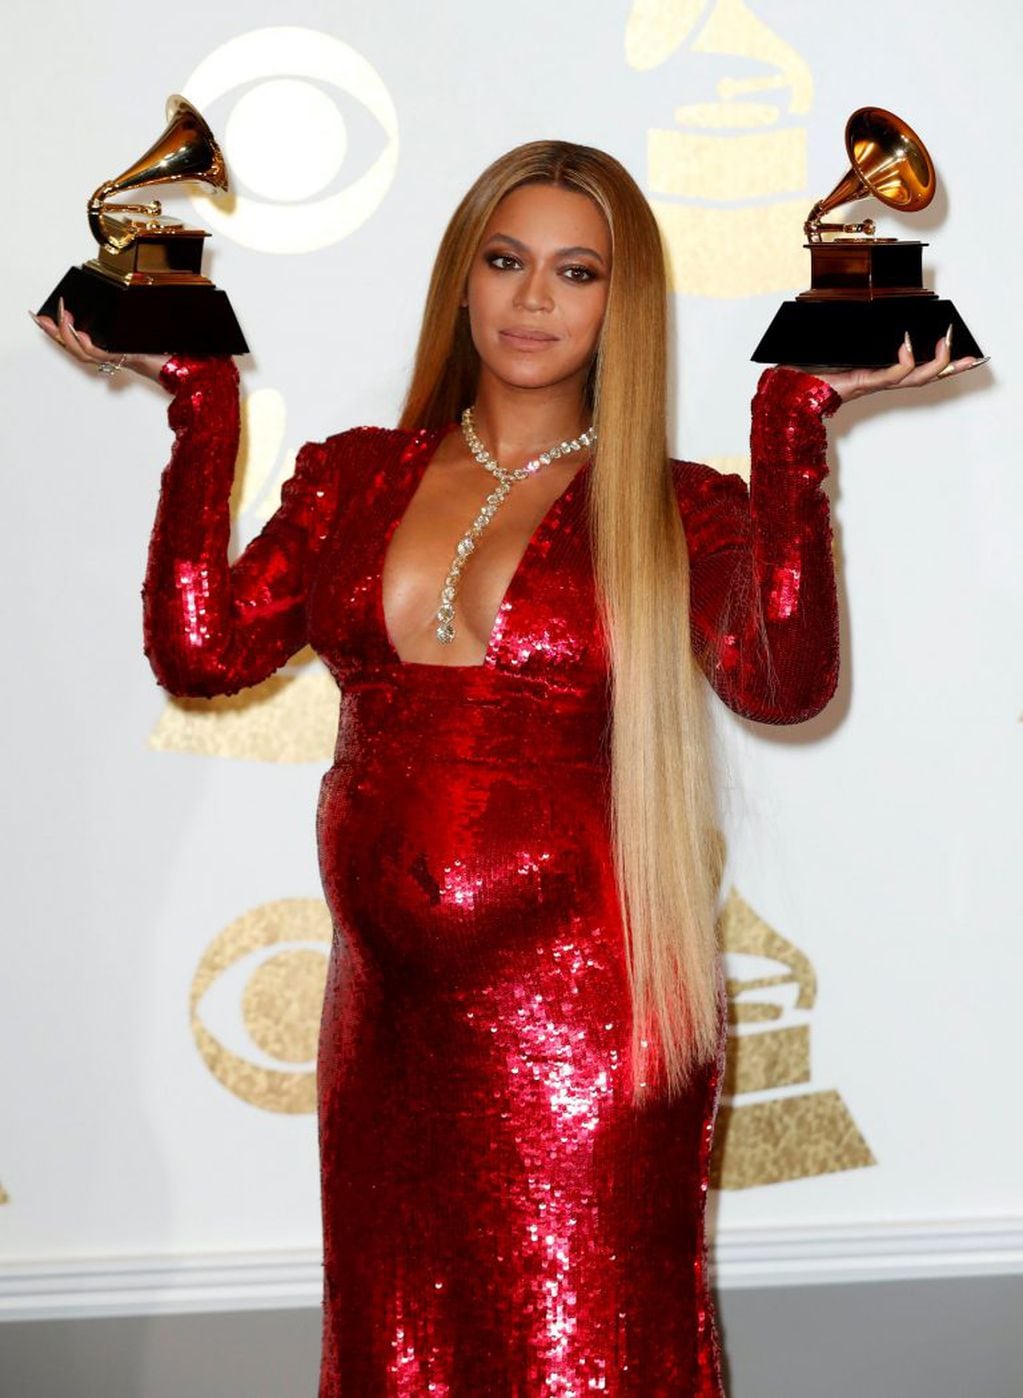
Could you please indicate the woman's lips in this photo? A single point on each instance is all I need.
(529, 340)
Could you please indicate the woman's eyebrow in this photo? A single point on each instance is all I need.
(562, 252)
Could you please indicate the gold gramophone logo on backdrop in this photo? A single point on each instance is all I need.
(766, 1131)
(723, 180)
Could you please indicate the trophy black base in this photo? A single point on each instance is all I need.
(169, 319)
(861, 334)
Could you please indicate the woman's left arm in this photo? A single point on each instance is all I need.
(763, 599)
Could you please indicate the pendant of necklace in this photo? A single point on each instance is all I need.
(445, 614)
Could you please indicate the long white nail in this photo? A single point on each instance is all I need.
(948, 335)
(907, 342)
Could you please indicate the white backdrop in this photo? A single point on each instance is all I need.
(880, 841)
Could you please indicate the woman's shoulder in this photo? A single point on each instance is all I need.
(365, 456)
(366, 438)
(369, 440)
(697, 484)
(713, 504)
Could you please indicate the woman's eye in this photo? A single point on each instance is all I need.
(579, 274)
(502, 261)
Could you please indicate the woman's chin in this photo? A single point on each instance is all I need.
(518, 372)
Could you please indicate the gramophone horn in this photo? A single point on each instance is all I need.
(186, 150)
(888, 160)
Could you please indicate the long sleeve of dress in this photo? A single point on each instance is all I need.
(212, 627)
(763, 601)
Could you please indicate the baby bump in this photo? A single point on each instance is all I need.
(448, 867)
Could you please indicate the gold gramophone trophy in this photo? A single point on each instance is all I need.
(866, 292)
(144, 292)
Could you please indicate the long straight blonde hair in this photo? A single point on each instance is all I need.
(662, 808)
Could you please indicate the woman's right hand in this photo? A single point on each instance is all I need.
(79, 345)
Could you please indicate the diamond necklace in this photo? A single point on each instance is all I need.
(445, 615)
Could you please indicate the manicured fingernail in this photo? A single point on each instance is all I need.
(948, 335)
(34, 316)
(907, 342)
(962, 368)
(60, 307)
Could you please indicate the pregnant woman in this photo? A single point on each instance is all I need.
(522, 599)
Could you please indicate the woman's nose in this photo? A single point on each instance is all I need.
(534, 292)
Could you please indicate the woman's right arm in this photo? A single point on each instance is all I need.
(210, 626)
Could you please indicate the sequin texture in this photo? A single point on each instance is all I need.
(498, 1217)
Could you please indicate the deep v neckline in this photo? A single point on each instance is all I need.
(416, 474)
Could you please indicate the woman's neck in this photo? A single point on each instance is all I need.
(516, 424)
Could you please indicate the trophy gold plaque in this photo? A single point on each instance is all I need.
(144, 291)
(867, 292)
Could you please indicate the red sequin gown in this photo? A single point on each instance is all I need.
(497, 1218)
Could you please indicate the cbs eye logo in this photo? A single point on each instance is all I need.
(250, 985)
(286, 139)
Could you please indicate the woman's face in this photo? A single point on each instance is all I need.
(538, 285)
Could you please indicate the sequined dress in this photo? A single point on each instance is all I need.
(498, 1219)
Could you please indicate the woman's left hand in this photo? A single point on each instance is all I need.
(906, 373)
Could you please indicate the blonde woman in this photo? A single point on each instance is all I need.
(522, 599)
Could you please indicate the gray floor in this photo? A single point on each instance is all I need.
(925, 1339)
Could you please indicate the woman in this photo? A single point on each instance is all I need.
(523, 1029)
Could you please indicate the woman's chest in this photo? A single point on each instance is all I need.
(525, 601)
